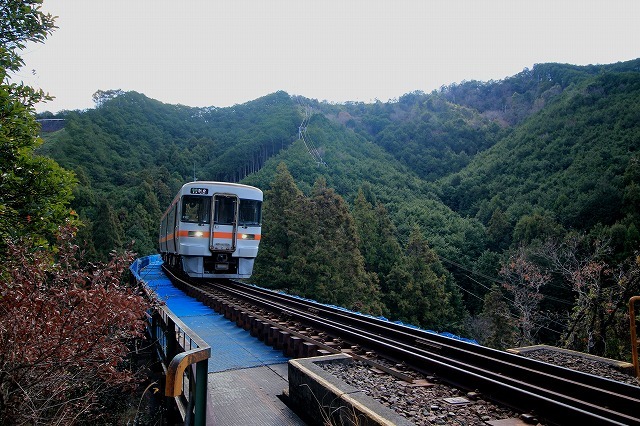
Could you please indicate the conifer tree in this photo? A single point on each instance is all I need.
(389, 251)
(429, 298)
(334, 260)
(310, 247)
(365, 220)
(396, 282)
(498, 230)
(501, 329)
(107, 230)
(273, 267)
(380, 248)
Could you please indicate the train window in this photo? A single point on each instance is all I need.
(250, 212)
(195, 209)
(172, 219)
(224, 210)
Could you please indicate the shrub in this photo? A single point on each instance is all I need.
(64, 330)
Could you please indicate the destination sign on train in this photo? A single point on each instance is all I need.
(199, 191)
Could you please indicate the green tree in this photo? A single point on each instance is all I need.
(22, 21)
(107, 230)
(537, 226)
(280, 226)
(138, 230)
(429, 298)
(310, 247)
(501, 330)
(380, 248)
(333, 255)
(365, 220)
(498, 230)
(61, 358)
(34, 190)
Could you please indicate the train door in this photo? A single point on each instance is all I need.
(225, 223)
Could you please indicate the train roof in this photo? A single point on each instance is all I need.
(210, 187)
(214, 183)
(239, 189)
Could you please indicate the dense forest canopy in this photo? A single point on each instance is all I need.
(447, 207)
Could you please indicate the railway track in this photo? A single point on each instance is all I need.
(304, 328)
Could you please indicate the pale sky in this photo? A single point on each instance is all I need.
(226, 52)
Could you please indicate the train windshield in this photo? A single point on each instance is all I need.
(250, 212)
(224, 211)
(195, 209)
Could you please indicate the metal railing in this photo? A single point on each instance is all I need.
(184, 357)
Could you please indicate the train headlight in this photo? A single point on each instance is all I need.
(248, 236)
(195, 234)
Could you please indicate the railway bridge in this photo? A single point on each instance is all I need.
(243, 377)
(219, 373)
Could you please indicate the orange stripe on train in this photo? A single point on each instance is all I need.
(221, 235)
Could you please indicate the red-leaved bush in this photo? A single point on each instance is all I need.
(64, 330)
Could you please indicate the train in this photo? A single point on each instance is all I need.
(212, 230)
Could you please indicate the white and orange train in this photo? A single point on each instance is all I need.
(212, 230)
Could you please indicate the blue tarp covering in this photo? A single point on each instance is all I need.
(231, 347)
(445, 334)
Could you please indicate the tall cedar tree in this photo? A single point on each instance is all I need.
(365, 218)
(282, 202)
(501, 330)
(380, 248)
(334, 261)
(310, 247)
(107, 230)
(378, 243)
(429, 297)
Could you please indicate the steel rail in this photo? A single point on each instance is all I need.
(442, 344)
(445, 345)
(500, 375)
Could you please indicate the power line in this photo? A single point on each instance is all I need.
(304, 136)
(495, 280)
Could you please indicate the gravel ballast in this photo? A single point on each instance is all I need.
(430, 402)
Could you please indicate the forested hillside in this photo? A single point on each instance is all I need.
(132, 153)
(569, 159)
(506, 210)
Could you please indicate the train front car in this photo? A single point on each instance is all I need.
(212, 230)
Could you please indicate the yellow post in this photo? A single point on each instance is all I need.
(634, 337)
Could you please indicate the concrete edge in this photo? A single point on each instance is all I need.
(623, 366)
(324, 398)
